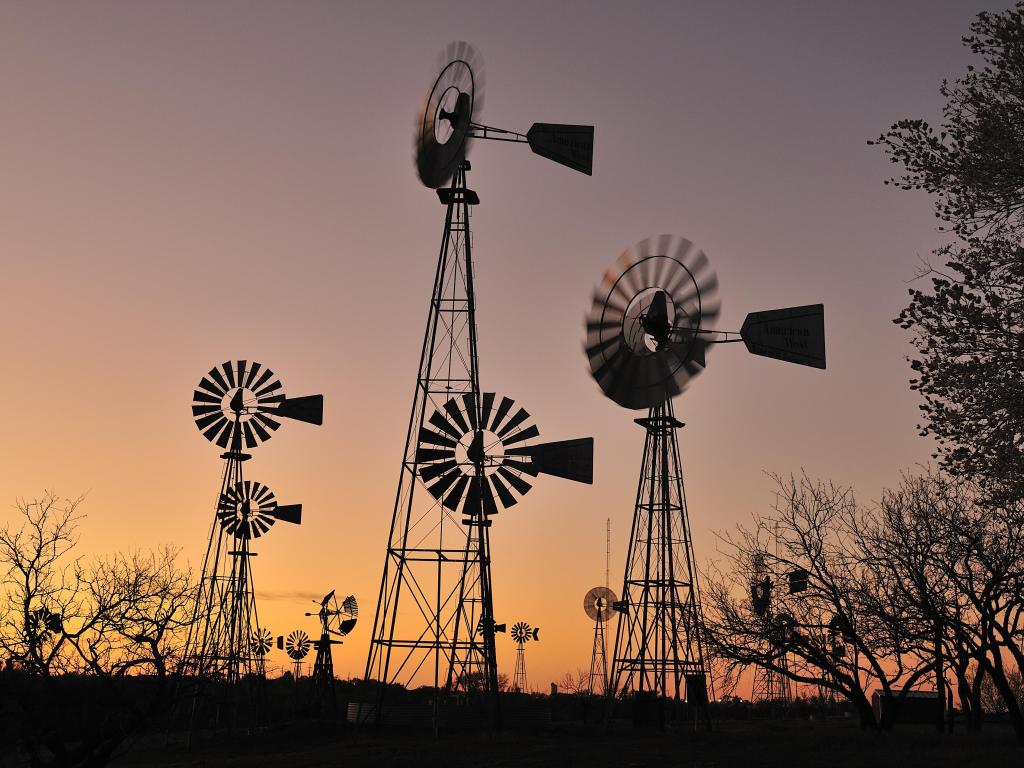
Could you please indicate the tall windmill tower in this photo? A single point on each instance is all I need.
(467, 453)
(647, 335)
(238, 405)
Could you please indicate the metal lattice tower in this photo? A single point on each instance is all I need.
(237, 404)
(598, 679)
(769, 685)
(519, 676)
(437, 567)
(772, 686)
(219, 646)
(658, 642)
(597, 604)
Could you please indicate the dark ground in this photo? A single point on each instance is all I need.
(791, 743)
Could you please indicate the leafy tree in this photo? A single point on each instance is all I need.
(968, 324)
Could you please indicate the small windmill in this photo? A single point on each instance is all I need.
(522, 633)
(297, 646)
(237, 405)
(597, 604)
(336, 621)
(769, 684)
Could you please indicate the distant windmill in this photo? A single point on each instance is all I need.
(597, 604)
(769, 685)
(336, 621)
(522, 633)
(237, 405)
(297, 646)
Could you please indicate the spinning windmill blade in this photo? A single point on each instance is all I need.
(248, 510)
(262, 642)
(241, 402)
(597, 603)
(442, 127)
(455, 440)
(297, 645)
(651, 323)
(644, 328)
(449, 119)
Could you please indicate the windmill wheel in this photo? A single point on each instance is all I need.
(234, 403)
(597, 603)
(261, 642)
(247, 510)
(644, 326)
(452, 443)
(443, 123)
(297, 645)
(523, 632)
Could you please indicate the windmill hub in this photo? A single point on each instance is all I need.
(649, 320)
(452, 114)
(481, 447)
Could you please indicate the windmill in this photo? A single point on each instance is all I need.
(597, 604)
(522, 633)
(769, 684)
(336, 620)
(648, 333)
(434, 621)
(237, 406)
(297, 646)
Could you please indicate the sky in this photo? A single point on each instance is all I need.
(187, 183)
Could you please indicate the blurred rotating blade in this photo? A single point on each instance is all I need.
(454, 101)
(642, 331)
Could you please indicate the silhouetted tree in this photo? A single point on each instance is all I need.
(575, 682)
(968, 324)
(957, 564)
(92, 643)
(830, 634)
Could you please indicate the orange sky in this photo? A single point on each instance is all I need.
(187, 183)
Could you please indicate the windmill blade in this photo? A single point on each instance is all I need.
(568, 145)
(571, 459)
(794, 335)
(309, 409)
(350, 606)
(289, 513)
(346, 626)
(536, 633)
